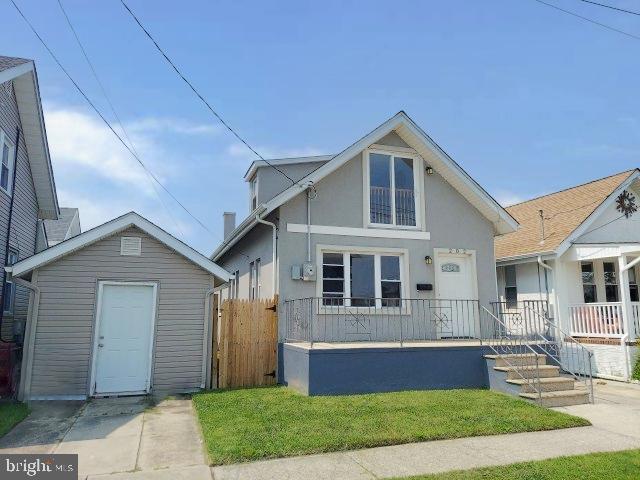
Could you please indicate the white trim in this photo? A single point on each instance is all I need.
(96, 336)
(359, 232)
(405, 274)
(438, 252)
(13, 72)
(4, 139)
(582, 228)
(389, 148)
(283, 161)
(119, 224)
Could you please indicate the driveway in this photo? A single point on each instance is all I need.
(117, 437)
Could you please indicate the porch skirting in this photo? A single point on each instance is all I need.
(359, 369)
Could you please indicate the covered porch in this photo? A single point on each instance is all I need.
(603, 302)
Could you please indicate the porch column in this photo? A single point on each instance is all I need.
(627, 312)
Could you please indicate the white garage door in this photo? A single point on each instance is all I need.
(123, 345)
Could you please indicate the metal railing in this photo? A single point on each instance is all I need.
(381, 205)
(570, 355)
(353, 319)
(515, 349)
(516, 315)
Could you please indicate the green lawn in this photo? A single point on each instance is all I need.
(251, 424)
(10, 414)
(597, 466)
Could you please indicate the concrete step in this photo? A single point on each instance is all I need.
(558, 399)
(548, 384)
(518, 359)
(530, 371)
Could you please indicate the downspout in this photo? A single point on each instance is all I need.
(207, 341)
(24, 390)
(274, 242)
(6, 245)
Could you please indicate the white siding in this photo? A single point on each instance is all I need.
(64, 334)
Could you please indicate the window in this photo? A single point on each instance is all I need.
(510, 286)
(588, 283)
(253, 193)
(9, 293)
(254, 279)
(610, 281)
(361, 279)
(6, 169)
(633, 285)
(233, 285)
(392, 190)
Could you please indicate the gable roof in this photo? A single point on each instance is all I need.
(416, 138)
(283, 161)
(564, 212)
(58, 230)
(112, 227)
(25, 84)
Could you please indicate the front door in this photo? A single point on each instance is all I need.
(456, 313)
(125, 331)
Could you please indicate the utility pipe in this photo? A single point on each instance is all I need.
(625, 350)
(274, 251)
(207, 341)
(24, 390)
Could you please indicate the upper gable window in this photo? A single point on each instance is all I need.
(392, 189)
(6, 169)
(253, 193)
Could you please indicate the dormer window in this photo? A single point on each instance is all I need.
(393, 189)
(253, 193)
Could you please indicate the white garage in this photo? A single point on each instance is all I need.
(121, 309)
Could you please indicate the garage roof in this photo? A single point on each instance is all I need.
(105, 230)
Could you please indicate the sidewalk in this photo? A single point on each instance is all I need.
(616, 426)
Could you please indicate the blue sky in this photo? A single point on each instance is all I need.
(527, 99)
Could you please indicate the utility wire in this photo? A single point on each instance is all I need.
(611, 7)
(202, 99)
(586, 19)
(115, 114)
(102, 117)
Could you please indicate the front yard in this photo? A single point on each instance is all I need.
(251, 424)
(597, 466)
(10, 414)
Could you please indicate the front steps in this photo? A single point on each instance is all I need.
(555, 390)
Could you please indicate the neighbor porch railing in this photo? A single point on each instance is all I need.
(385, 320)
(598, 319)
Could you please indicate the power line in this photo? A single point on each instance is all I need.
(106, 122)
(586, 19)
(202, 99)
(611, 7)
(115, 113)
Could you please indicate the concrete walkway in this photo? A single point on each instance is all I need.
(616, 426)
(117, 438)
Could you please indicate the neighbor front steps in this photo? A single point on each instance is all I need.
(555, 390)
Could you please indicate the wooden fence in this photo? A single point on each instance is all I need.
(248, 342)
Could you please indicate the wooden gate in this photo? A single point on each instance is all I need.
(247, 347)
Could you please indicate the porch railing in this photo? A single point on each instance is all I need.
(597, 319)
(385, 320)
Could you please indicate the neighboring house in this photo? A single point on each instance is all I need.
(389, 239)
(578, 250)
(120, 309)
(66, 227)
(27, 188)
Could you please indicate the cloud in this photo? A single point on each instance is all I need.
(172, 125)
(507, 198)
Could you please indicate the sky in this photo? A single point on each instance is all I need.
(527, 99)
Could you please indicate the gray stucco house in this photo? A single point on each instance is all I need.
(389, 240)
(27, 197)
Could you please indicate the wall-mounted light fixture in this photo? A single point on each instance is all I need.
(428, 260)
(429, 170)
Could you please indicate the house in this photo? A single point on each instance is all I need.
(67, 226)
(121, 309)
(579, 250)
(27, 197)
(389, 240)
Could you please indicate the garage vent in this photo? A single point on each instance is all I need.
(130, 246)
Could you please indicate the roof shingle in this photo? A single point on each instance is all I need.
(563, 212)
(10, 62)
